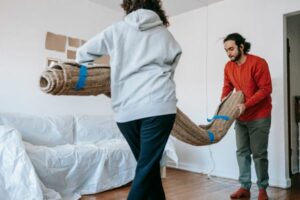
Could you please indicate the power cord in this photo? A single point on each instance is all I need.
(209, 174)
(213, 163)
(214, 178)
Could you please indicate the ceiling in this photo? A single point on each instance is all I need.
(172, 7)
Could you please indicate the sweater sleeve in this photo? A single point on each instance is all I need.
(227, 86)
(92, 49)
(263, 80)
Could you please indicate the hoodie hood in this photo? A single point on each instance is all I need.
(143, 19)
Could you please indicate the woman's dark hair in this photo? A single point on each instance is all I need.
(154, 5)
(239, 40)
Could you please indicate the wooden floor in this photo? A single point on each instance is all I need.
(183, 185)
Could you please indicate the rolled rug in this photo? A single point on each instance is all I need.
(75, 79)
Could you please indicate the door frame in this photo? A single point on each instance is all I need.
(287, 119)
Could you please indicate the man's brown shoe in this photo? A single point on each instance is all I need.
(262, 195)
(240, 193)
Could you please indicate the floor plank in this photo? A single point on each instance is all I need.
(183, 185)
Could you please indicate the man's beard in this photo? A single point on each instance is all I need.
(236, 58)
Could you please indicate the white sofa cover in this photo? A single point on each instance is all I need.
(64, 157)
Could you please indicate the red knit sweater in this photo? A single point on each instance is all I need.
(254, 80)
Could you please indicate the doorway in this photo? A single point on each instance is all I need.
(293, 93)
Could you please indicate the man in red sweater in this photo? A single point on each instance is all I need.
(249, 74)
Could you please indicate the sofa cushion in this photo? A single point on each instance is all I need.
(41, 130)
(92, 128)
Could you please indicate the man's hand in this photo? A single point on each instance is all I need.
(242, 108)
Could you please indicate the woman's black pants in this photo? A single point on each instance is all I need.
(147, 139)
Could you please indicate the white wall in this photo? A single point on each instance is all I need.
(200, 75)
(293, 33)
(23, 56)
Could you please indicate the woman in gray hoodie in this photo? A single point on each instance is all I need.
(143, 56)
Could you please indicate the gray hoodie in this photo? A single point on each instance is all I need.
(143, 56)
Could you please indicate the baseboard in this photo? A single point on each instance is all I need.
(184, 166)
(287, 183)
(281, 183)
(197, 169)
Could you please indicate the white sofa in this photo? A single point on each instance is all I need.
(64, 157)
